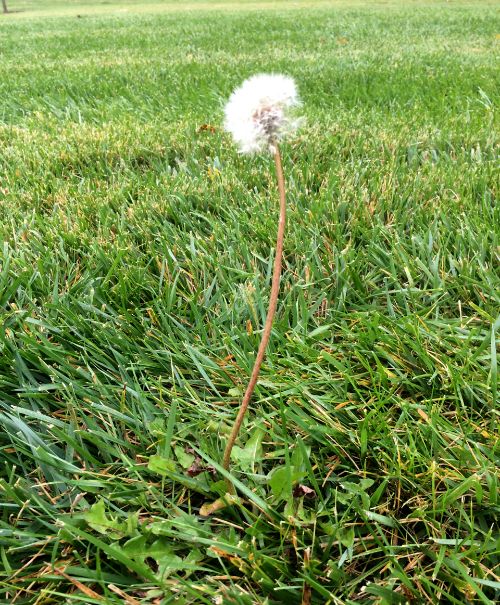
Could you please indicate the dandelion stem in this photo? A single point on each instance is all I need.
(273, 301)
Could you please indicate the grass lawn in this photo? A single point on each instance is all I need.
(135, 264)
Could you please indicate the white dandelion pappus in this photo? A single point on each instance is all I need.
(258, 112)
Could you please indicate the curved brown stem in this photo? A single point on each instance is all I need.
(266, 333)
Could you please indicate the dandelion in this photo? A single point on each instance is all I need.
(258, 115)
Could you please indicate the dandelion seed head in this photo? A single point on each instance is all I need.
(258, 113)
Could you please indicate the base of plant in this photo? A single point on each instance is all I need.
(209, 508)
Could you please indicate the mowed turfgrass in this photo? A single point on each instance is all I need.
(134, 276)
